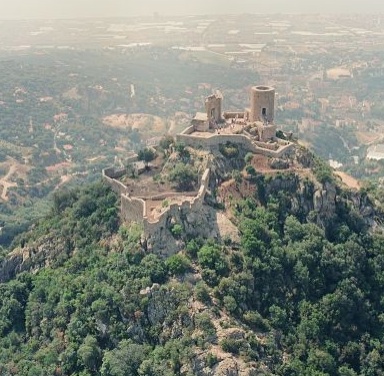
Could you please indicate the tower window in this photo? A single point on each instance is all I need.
(264, 111)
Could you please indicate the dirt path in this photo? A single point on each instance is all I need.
(63, 180)
(6, 184)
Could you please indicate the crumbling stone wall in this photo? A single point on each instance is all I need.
(188, 130)
(110, 176)
(267, 132)
(158, 231)
(243, 141)
(189, 214)
(213, 105)
(132, 209)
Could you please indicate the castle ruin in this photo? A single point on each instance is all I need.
(253, 130)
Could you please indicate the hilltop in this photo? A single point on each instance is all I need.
(228, 250)
(289, 284)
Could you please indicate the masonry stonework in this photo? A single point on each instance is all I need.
(213, 104)
(262, 104)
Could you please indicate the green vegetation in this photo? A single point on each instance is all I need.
(166, 142)
(183, 152)
(297, 300)
(147, 155)
(229, 150)
(184, 176)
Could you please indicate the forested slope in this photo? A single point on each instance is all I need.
(290, 299)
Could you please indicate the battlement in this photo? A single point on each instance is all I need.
(150, 210)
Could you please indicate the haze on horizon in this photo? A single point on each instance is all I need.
(43, 9)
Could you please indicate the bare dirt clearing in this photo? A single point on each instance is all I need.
(13, 168)
(367, 138)
(348, 180)
(143, 122)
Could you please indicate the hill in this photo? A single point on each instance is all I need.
(293, 288)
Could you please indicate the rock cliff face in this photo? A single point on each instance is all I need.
(321, 202)
(31, 257)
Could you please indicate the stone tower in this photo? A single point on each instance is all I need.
(262, 104)
(213, 105)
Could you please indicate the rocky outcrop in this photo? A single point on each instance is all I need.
(31, 257)
(324, 200)
(10, 266)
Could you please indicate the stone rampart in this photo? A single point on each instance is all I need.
(174, 209)
(199, 199)
(132, 208)
(214, 140)
(165, 195)
(110, 176)
(114, 173)
(265, 145)
(234, 115)
(131, 159)
(188, 130)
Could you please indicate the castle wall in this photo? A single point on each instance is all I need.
(188, 130)
(267, 132)
(233, 115)
(158, 231)
(109, 177)
(200, 126)
(132, 208)
(131, 159)
(213, 142)
(165, 195)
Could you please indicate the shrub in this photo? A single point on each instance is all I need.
(229, 150)
(211, 360)
(147, 155)
(202, 292)
(166, 142)
(255, 320)
(236, 175)
(250, 170)
(248, 158)
(231, 345)
(193, 247)
(211, 257)
(177, 230)
(230, 303)
(184, 176)
(178, 264)
(204, 323)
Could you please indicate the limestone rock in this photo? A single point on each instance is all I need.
(279, 164)
(227, 367)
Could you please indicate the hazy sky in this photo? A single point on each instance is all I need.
(16, 9)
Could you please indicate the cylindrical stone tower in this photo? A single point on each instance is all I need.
(262, 104)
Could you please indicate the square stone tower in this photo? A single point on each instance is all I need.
(213, 105)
